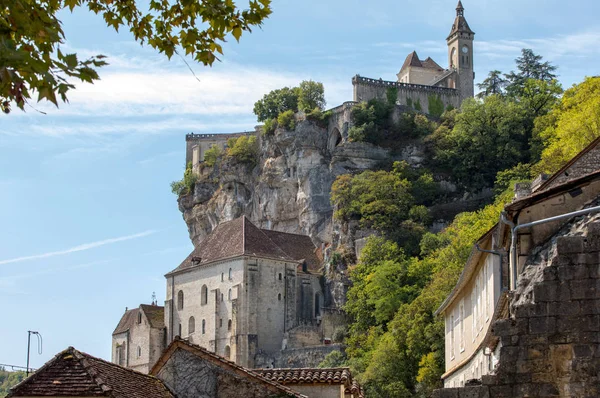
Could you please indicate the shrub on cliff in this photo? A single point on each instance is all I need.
(186, 185)
(243, 149)
(212, 155)
(309, 95)
(286, 120)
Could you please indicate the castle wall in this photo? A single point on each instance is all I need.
(366, 89)
(196, 145)
(418, 75)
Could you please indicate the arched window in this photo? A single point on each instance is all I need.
(280, 276)
(229, 295)
(203, 295)
(180, 300)
(222, 276)
(230, 274)
(227, 351)
(139, 351)
(229, 325)
(279, 297)
(203, 326)
(139, 317)
(191, 325)
(179, 329)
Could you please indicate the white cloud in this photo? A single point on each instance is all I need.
(82, 247)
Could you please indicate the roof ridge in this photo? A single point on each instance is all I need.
(250, 372)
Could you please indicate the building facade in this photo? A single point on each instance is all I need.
(139, 338)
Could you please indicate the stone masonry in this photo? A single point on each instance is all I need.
(550, 346)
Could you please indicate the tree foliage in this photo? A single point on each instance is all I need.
(186, 185)
(212, 154)
(570, 126)
(243, 149)
(9, 380)
(309, 95)
(494, 84)
(31, 60)
(487, 137)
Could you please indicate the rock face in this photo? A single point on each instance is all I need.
(288, 190)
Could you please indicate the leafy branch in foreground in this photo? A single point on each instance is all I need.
(31, 35)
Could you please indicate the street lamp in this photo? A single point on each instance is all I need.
(39, 337)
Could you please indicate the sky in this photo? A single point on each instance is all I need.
(88, 225)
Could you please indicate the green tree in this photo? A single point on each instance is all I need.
(185, 186)
(529, 66)
(286, 120)
(311, 95)
(31, 60)
(9, 380)
(572, 125)
(507, 178)
(276, 102)
(334, 359)
(492, 85)
(212, 155)
(243, 149)
(487, 137)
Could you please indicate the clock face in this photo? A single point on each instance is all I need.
(465, 49)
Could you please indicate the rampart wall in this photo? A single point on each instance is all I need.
(416, 96)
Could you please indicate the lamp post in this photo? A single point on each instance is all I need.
(39, 336)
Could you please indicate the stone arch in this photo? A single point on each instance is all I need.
(180, 300)
(204, 295)
(335, 139)
(191, 325)
(227, 352)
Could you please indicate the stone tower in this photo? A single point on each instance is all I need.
(460, 54)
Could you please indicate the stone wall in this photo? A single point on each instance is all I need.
(550, 347)
(366, 89)
(306, 357)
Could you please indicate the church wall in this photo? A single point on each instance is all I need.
(218, 309)
(366, 89)
(417, 75)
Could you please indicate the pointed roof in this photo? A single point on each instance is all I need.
(411, 60)
(222, 363)
(239, 237)
(431, 64)
(460, 24)
(72, 373)
(154, 313)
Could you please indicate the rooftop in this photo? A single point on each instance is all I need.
(72, 373)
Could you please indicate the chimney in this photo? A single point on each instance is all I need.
(522, 190)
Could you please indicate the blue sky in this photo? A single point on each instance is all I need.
(88, 224)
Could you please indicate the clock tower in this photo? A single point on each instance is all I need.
(460, 54)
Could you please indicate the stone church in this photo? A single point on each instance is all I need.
(243, 293)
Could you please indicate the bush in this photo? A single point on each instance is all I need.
(276, 102)
(270, 126)
(243, 149)
(186, 185)
(286, 120)
(318, 116)
(212, 155)
(334, 359)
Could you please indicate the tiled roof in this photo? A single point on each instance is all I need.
(313, 376)
(298, 247)
(72, 373)
(126, 321)
(221, 362)
(411, 60)
(307, 375)
(155, 315)
(240, 237)
(431, 64)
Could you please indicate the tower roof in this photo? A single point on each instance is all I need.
(460, 24)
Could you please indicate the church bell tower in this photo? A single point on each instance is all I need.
(460, 54)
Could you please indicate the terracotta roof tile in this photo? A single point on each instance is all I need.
(126, 321)
(431, 64)
(155, 315)
(240, 237)
(411, 60)
(72, 373)
(307, 375)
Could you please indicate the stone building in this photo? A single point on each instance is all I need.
(424, 84)
(198, 144)
(544, 332)
(139, 338)
(243, 290)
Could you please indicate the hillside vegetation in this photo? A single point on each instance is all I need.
(519, 126)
